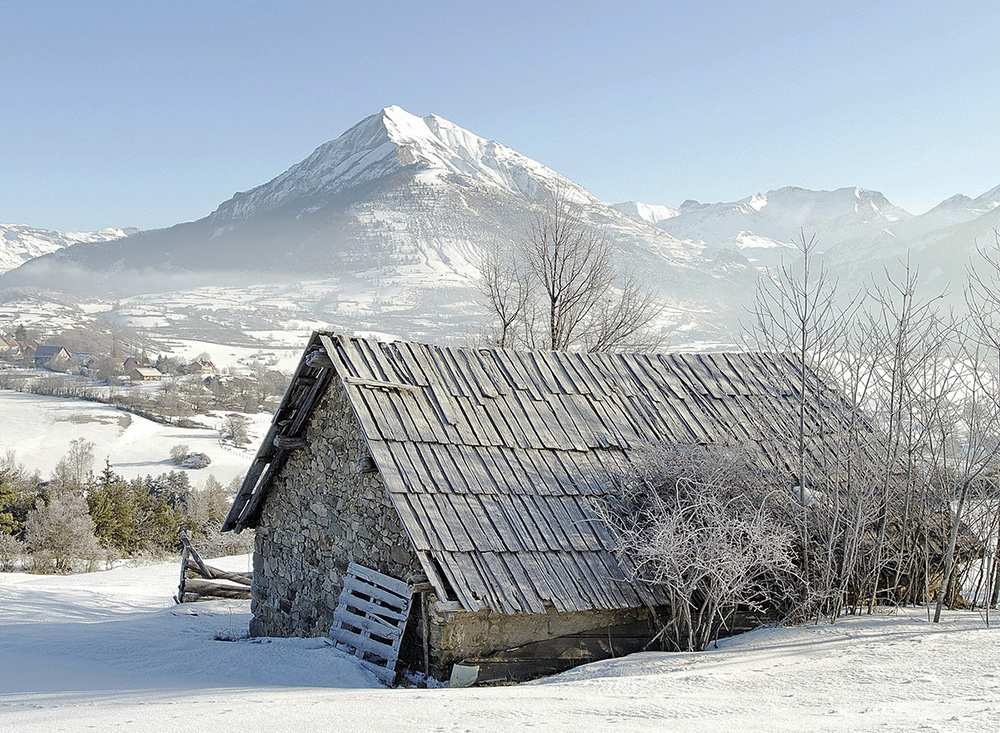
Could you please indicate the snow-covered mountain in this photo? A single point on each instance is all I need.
(941, 244)
(762, 227)
(399, 210)
(388, 222)
(652, 213)
(955, 210)
(20, 242)
(389, 142)
(858, 230)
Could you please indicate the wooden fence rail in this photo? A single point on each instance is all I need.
(201, 582)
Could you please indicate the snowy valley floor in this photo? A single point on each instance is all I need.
(110, 651)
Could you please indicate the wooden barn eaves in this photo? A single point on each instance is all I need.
(311, 379)
(492, 457)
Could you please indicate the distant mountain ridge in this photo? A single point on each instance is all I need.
(762, 227)
(395, 214)
(854, 226)
(20, 242)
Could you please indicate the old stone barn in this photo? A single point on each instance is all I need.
(470, 473)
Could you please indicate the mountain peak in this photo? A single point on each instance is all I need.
(403, 126)
(388, 142)
(394, 110)
(989, 200)
(651, 213)
(958, 201)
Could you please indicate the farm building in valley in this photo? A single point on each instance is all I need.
(50, 356)
(471, 473)
(145, 374)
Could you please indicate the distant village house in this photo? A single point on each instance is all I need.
(51, 356)
(145, 374)
(134, 362)
(200, 366)
(10, 349)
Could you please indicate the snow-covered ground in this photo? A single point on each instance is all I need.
(110, 651)
(40, 429)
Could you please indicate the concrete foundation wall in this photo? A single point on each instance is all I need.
(322, 512)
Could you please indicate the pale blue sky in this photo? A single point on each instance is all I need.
(148, 113)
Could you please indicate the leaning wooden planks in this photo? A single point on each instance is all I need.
(370, 617)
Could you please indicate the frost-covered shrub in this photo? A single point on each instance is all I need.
(11, 553)
(698, 524)
(196, 460)
(214, 543)
(235, 428)
(60, 535)
(179, 453)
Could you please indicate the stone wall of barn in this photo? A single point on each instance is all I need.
(323, 510)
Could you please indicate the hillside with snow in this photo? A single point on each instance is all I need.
(110, 650)
(20, 242)
(39, 430)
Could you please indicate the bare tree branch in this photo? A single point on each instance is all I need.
(556, 289)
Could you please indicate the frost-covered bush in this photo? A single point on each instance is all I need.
(698, 524)
(179, 453)
(196, 460)
(60, 535)
(11, 553)
(235, 428)
(182, 456)
(214, 543)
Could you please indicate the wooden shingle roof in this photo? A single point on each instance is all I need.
(492, 457)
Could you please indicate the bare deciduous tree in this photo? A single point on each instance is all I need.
(982, 297)
(76, 468)
(505, 288)
(912, 449)
(796, 313)
(236, 429)
(556, 289)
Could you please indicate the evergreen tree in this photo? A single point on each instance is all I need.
(8, 498)
(116, 509)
